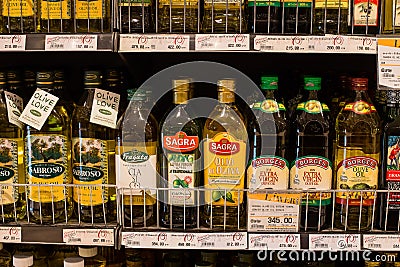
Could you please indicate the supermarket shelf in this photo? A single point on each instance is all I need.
(344, 44)
(57, 42)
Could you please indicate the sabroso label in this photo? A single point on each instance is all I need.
(88, 174)
(45, 170)
(6, 173)
(135, 156)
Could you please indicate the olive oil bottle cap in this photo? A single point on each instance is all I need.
(269, 82)
(112, 75)
(136, 95)
(23, 260)
(44, 78)
(312, 83)
(87, 252)
(29, 76)
(226, 85)
(92, 78)
(203, 264)
(59, 76)
(359, 83)
(74, 262)
(3, 79)
(181, 84)
(14, 76)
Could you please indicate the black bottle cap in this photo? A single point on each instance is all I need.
(14, 76)
(3, 77)
(112, 75)
(92, 77)
(44, 77)
(59, 76)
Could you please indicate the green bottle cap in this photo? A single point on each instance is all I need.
(269, 82)
(92, 78)
(14, 76)
(136, 95)
(44, 78)
(312, 83)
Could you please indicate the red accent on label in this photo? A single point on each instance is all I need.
(354, 202)
(358, 161)
(180, 142)
(312, 161)
(366, 10)
(393, 176)
(224, 147)
(270, 161)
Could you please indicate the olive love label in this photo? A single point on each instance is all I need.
(38, 109)
(105, 108)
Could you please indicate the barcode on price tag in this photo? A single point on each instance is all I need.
(71, 42)
(381, 242)
(12, 42)
(154, 42)
(334, 242)
(222, 42)
(295, 44)
(10, 234)
(274, 241)
(237, 240)
(89, 237)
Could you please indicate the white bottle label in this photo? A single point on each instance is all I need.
(105, 108)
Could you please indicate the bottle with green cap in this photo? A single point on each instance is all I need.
(47, 151)
(268, 167)
(136, 161)
(179, 161)
(311, 167)
(357, 159)
(90, 156)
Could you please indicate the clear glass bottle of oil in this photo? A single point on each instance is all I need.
(330, 17)
(224, 152)
(90, 155)
(136, 161)
(93, 16)
(178, 15)
(19, 16)
(222, 16)
(136, 16)
(49, 147)
(357, 159)
(55, 16)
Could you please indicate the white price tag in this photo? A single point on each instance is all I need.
(290, 44)
(335, 242)
(237, 240)
(154, 42)
(105, 108)
(10, 234)
(266, 213)
(381, 242)
(71, 42)
(14, 108)
(222, 42)
(38, 109)
(12, 42)
(274, 241)
(329, 44)
(89, 237)
(146, 239)
(389, 63)
(362, 45)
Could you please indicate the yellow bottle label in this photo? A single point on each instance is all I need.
(90, 9)
(343, 4)
(47, 163)
(224, 162)
(179, 2)
(18, 8)
(137, 174)
(55, 9)
(8, 170)
(90, 167)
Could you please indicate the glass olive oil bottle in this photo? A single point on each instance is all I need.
(48, 151)
(180, 159)
(136, 162)
(136, 16)
(90, 157)
(224, 150)
(178, 15)
(11, 162)
(93, 16)
(330, 17)
(55, 16)
(19, 16)
(357, 159)
(222, 16)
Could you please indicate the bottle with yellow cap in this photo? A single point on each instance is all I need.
(357, 159)
(224, 151)
(180, 161)
(136, 161)
(47, 161)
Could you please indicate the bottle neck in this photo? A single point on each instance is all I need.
(361, 95)
(313, 95)
(226, 97)
(270, 94)
(181, 97)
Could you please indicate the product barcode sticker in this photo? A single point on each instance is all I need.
(12, 42)
(381, 242)
(38, 109)
(295, 44)
(71, 42)
(274, 241)
(89, 237)
(105, 108)
(154, 42)
(236, 240)
(334, 242)
(222, 42)
(388, 63)
(10, 234)
(14, 108)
